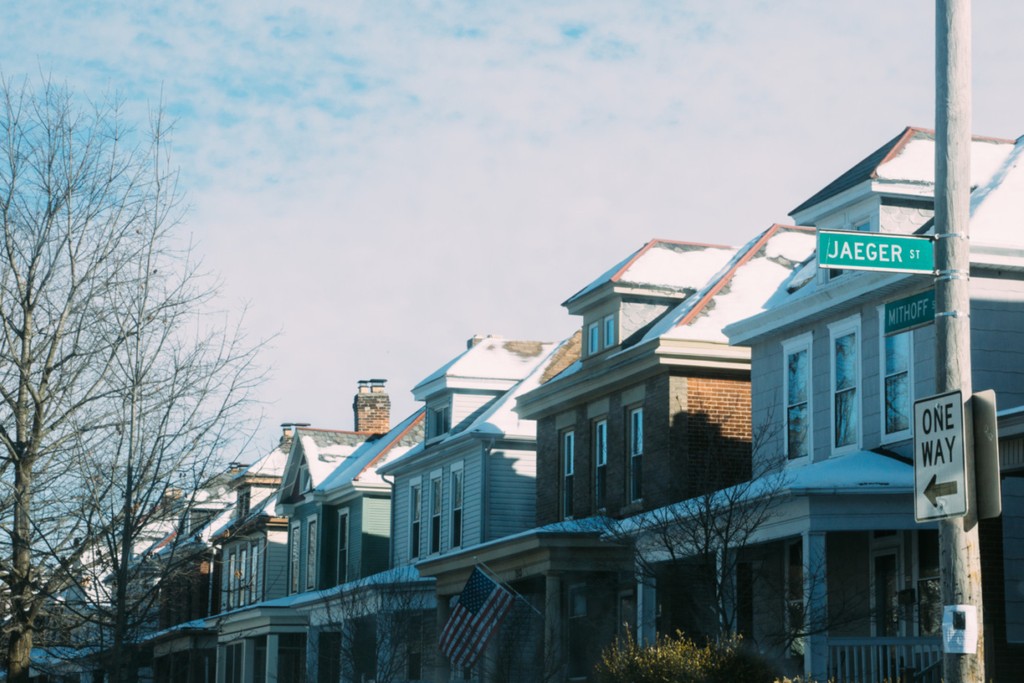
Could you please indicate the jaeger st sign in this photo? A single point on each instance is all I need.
(854, 250)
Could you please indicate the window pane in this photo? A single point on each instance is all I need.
(797, 423)
(897, 403)
(846, 417)
(797, 377)
(897, 353)
(846, 362)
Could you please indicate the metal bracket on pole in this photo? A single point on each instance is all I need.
(948, 235)
(948, 314)
(949, 275)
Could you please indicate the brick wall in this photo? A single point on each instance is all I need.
(696, 435)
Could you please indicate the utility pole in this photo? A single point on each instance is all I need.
(960, 559)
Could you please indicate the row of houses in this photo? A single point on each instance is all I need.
(723, 445)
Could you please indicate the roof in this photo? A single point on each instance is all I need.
(363, 463)
(909, 158)
(749, 283)
(490, 361)
(325, 449)
(500, 419)
(270, 465)
(667, 265)
(997, 205)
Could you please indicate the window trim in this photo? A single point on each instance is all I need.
(593, 338)
(635, 453)
(415, 517)
(456, 524)
(600, 463)
(436, 503)
(294, 556)
(609, 331)
(803, 342)
(312, 550)
(903, 434)
(341, 568)
(568, 463)
(836, 330)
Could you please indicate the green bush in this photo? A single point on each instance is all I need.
(677, 659)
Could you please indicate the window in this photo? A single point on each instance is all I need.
(797, 388)
(254, 573)
(244, 498)
(414, 520)
(311, 554)
(293, 556)
(896, 391)
(435, 515)
(232, 578)
(456, 494)
(243, 576)
(342, 568)
(304, 481)
(600, 463)
(845, 383)
(568, 471)
(636, 453)
(440, 420)
(609, 331)
(593, 338)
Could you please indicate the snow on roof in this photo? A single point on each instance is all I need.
(325, 450)
(914, 161)
(745, 287)
(664, 264)
(997, 207)
(362, 464)
(270, 465)
(388, 577)
(491, 357)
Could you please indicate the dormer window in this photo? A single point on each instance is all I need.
(609, 331)
(244, 502)
(440, 420)
(304, 481)
(593, 338)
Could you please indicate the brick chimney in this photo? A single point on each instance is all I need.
(372, 407)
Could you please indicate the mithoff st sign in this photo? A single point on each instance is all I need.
(855, 250)
(940, 456)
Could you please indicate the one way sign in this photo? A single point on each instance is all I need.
(939, 457)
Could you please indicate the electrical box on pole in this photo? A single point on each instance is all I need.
(987, 485)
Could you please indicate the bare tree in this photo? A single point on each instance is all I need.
(112, 382)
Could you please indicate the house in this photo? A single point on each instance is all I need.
(473, 478)
(654, 410)
(335, 514)
(842, 578)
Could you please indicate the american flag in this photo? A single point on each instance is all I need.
(481, 607)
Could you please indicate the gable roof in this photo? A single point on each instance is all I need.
(490, 362)
(909, 158)
(321, 450)
(751, 280)
(364, 462)
(669, 266)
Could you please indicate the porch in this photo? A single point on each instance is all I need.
(879, 660)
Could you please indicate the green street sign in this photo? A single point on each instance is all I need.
(854, 250)
(910, 312)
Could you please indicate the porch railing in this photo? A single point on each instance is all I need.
(884, 660)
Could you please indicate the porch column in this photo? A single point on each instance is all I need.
(222, 654)
(248, 659)
(646, 610)
(554, 648)
(273, 643)
(815, 577)
(442, 667)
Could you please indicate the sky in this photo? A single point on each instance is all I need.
(376, 182)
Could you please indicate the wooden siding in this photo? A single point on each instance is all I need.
(467, 406)
(275, 568)
(511, 492)
(376, 530)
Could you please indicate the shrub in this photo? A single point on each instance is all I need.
(677, 659)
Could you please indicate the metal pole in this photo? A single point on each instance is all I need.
(960, 559)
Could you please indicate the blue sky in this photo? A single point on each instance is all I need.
(381, 180)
